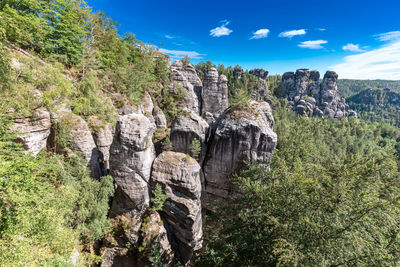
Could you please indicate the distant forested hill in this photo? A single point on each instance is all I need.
(380, 105)
(348, 87)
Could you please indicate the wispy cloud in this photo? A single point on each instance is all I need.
(221, 30)
(352, 48)
(290, 34)
(177, 54)
(261, 33)
(169, 36)
(380, 63)
(321, 29)
(388, 36)
(316, 44)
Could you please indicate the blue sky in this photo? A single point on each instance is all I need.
(358, 39)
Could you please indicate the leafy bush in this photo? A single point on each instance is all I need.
(49, 206)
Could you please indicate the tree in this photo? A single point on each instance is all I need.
(328, 200)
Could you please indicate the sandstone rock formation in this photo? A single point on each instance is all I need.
(179, 175)
(241, 135)
(34, 130)
(159, 118)
(132, 154)
(215, 95)
(103, 137)
(139, 232)
(259, 73)
(185, 75)
(260, 93)
(312, 98)
(187, 126)
(81, 138)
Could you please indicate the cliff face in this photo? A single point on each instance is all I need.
(310, 97)
(210, 142)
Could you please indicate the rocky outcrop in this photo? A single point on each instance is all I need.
(262, 92)
(159, 118)
(145, 233)
(259, 73)
(239, 136)
(80, 136)
(132, 154)
(186, 127)
(103, 137)
(310, 97)
(33, 131)
(184, 74)
(215, 95)
(179, 176)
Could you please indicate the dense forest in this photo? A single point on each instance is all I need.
(330, 196)
(348, 87)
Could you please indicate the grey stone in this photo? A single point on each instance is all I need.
(33, 131)
(242, 135)
(132, 154)
(179, 175)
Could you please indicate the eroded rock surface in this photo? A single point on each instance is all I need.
(215, 95)
(187, 126)
(81, 138)
(132, 154)
(241, 135)
(34, 130)
(185, 75)
(179, 176)
(311, 97)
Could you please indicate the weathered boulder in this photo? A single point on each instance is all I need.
(34, 130)
(81, 138)
(103, 136)
(184, 74)
(239, 136)
(159, 118)
(179, 176)
(215, 94)
(186, 127)
(131, 156)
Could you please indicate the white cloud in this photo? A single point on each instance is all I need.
(352, 48)
(380, 63)
(388, 36)
(290, 34)
(317, 44)
(169, 36)
(222, 30)
(177, 54)
(321, 29)
(261, 33)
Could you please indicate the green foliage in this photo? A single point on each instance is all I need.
(159, 198)
(380, 105)
(195, 148)
(274, 85)
(53, 28)
(349, 88)
(329, 199)
(49, 206)
(203, 66)
(240, 88)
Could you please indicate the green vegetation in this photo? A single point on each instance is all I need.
(329, 199)
(49, 206)
(380, 105)
(348, 87)
(159, 198)
(195, 148)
